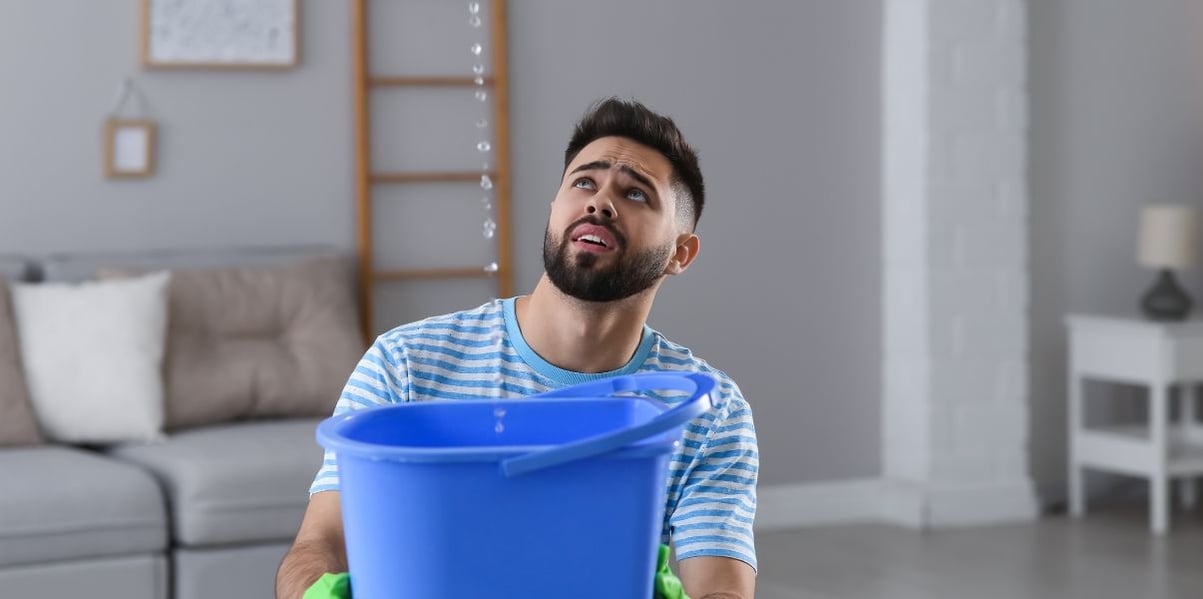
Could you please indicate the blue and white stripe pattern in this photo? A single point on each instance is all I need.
(480, 353)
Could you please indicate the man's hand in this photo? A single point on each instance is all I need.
(319, 547)
(711, 577)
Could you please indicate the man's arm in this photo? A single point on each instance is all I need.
(710, 522)
(319, 547)
(711, 577)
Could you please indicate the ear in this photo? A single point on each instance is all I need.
(685, 253)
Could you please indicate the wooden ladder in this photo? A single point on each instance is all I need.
(366, 178)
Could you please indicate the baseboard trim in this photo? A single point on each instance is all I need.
(799, 505)
(904, 503)
(917, 505)
(1101, 489)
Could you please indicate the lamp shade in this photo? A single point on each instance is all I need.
(1169, 236)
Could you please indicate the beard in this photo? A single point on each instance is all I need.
(582, 279)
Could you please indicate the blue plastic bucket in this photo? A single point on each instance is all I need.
(554, 495)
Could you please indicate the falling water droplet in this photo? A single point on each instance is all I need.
(482, 123)
(490, 228)
(479, 81)
(478, 69)
(476, 49)
(486, 203)
(474, 21)
(486, 182)
(499, 412)
(499, 427)
(491, 267)
(484, 146)
(481, 95)
(473, 8)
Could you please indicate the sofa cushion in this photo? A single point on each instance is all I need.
(239, 483)
(259, 341)
(93, 356)
(67, 503)
(17, 424)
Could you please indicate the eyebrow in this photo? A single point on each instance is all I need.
(605, 165)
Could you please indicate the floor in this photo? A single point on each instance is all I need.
(1109, 554)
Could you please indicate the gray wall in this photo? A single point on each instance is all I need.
(1115, 123)
(244, 158)
(781, 99)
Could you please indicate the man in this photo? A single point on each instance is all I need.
(622, 220)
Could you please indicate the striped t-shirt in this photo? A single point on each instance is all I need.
(480, 353)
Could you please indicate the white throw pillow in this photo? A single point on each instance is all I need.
(93, 356)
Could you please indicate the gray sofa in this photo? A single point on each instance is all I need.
(207, 512)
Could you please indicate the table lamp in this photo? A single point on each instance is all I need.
(1168, 240)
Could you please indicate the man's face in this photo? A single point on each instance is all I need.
(612, 229)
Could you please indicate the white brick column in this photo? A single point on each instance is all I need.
(954, 419)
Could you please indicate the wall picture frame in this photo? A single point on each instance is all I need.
(129, 148)
(220, 34)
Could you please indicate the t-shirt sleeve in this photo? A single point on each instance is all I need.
(717, 504)
(379, 379)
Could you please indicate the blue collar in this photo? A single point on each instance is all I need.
(560, 375)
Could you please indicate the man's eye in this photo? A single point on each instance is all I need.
(637, 195)
(583, 183)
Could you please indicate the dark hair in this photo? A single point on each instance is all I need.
(633, 120)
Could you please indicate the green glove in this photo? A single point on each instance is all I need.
(666, 585)
(330, 586)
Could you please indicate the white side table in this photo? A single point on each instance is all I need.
(1157, 355)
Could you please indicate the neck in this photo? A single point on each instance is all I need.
(582, 336)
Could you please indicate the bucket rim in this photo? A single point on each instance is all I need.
(330, 436)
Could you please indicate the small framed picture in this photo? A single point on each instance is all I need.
(129, 148)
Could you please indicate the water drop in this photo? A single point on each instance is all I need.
(479, 81)
(499, 427)
(473, 8)
(499, 412)
(478, 69)
(486, 203)
(490, 228)
(484, 146)
(491, 267)
(481, 95)
(476, 49)
(482, 123)
(474, 21)
(486, 182)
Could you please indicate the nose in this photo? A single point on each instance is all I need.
(601, 205)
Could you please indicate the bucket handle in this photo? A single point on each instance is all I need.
(700, 385)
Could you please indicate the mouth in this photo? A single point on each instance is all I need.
(593, 238)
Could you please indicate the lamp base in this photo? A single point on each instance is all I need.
(1166, 300)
